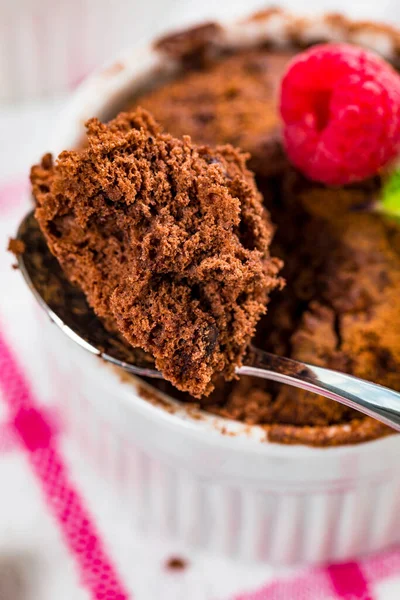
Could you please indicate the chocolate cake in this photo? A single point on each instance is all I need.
(168, 240)
(339, 307)
(342, 262)
(232, 100)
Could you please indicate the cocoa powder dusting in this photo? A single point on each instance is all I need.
(231, 101)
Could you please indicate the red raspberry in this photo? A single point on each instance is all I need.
(340, 106)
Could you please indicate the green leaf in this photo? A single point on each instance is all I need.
(390, 195)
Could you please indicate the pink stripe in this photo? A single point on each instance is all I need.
(38, 439)
(349, 582)
(7, 438)
(310, 586)
(381, 566)
(345, 581)
(11, 194)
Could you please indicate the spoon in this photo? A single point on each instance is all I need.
(67, 307)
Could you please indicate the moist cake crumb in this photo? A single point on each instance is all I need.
(168, 240)
(17, 247)
(176, 563)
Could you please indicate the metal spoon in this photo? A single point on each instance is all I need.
(67, 308)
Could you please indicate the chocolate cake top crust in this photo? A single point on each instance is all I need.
(234, 100)
(341, 260)
(169, 242)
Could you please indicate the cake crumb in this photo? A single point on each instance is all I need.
(176, 563)
(154, 398)
(17, 247)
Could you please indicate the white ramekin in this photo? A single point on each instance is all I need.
(211, 482)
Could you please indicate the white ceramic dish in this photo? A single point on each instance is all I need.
(182, 472)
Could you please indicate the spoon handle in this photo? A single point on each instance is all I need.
(369, 398)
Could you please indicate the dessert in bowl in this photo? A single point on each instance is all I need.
(219, 84)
